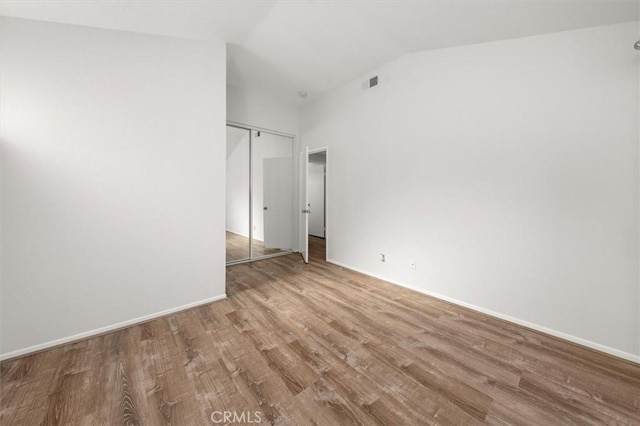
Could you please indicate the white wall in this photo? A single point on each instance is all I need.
(315, 196)
(113, 174)
(507, 170)
(255, 109)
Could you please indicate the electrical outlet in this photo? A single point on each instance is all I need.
(412, 264)
(382, 257)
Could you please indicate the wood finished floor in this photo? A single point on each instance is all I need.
(238, 247)
(319, 344)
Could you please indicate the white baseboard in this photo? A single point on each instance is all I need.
(589, 344)
(107, 329)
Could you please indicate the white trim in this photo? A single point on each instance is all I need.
(580, 341)
(317, 150)
(259, 129)
(107, 329)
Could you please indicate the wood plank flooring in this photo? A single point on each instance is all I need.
(318, 344)
(238, 247)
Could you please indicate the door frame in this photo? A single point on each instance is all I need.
(324, 149)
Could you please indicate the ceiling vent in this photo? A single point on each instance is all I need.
(370, 83)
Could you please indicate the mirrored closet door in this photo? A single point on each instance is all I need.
(238, 193)
(260, 210)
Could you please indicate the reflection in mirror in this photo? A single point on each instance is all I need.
(238, 235)
(272, 193)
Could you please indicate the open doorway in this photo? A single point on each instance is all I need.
(317, 204)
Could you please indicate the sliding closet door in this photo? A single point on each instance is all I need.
(238, 194)
(260, 219)
(277, 202)
(272, 193)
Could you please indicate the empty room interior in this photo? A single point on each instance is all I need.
(320, 212)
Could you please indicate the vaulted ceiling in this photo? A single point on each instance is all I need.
(282, 47)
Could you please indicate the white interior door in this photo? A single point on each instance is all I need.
(315, 198)
(304, 205)
(277, 202)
